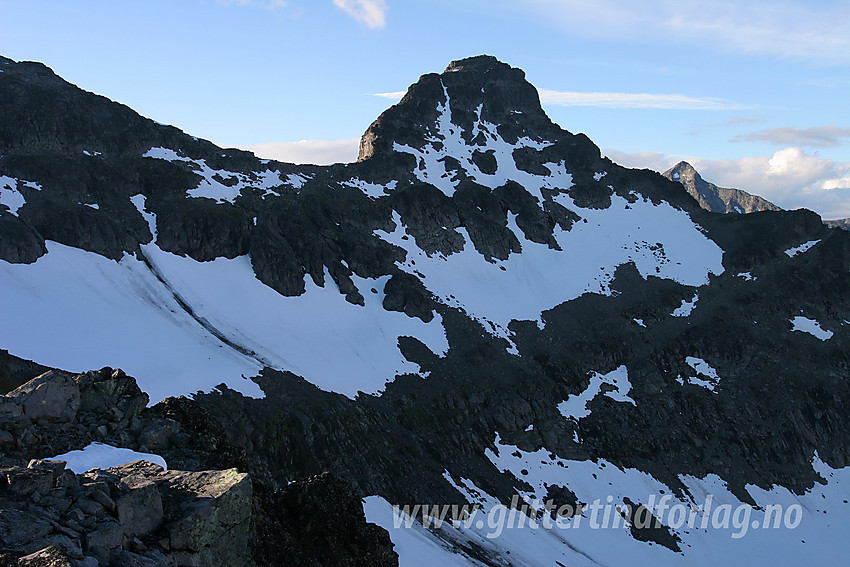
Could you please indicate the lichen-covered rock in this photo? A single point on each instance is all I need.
(55, 467)
(208, 514)
(54, 396)
(140, 509)
(102, 542)
(158, 435)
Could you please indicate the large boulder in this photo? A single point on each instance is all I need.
(110, 390)
(204, 516)
(53, 396)
(140, 509)
(210, 515)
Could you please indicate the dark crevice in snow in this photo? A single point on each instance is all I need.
(209, 327)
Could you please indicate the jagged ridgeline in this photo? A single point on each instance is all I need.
(481, 308)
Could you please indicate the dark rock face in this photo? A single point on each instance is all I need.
(318, 521)
(713, 198)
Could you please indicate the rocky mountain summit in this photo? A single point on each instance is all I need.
(481, 311)
(713, 198)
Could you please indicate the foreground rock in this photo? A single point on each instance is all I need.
(140, 514)
(135, 514)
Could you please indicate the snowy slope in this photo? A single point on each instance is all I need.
(714, 527)
(121, 314)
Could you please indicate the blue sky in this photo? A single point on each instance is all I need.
(753, 93)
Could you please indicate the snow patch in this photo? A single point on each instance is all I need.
(101, 456)
(123, 314)
(709, 379)
(821, 532)
(747, 276)
(687, 307)
(216, 189)
(372, 190)
(575, 407)
(415, 545)
(9, 194)
(318, 335)
(108, 313)
(297, 180)
(139, 202)
(810, 326)
(791, 252)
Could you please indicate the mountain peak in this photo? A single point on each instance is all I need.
(481, 63)
(682, 171)
(713, 198)
(471, 93)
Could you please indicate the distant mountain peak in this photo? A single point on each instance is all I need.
(713, 198)
(684, 170)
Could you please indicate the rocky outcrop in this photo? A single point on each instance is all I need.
(500, 91)
(58, 411)
(136, 514)
(139, 514)
(53, 396)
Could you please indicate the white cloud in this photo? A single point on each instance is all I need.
(393, 96)
(316, 152)
(791, 178)
(793, 29)
(837, 183)
(819, 137)
(370, 12)
(634, 100)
